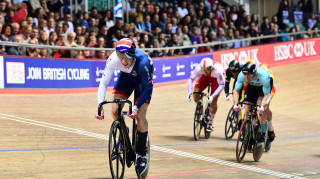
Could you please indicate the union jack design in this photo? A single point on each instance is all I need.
(124, 45)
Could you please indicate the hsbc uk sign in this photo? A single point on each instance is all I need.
(294, 50)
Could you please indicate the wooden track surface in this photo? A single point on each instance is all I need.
(56, 135)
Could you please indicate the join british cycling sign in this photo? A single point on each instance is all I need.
(56, 73)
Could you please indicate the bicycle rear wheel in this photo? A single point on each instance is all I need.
(243, 140)
(197, 122)
(117, 154)
(231, 124)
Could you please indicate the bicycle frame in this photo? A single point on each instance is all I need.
(129, 145)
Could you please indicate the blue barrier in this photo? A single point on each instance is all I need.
(21, 72)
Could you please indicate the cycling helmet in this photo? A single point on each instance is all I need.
(125, 48)
(234, 65)
(206, 64)
(249, 69)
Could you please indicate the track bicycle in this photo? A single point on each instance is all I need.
(200, 119)
(233, 122)
(121, 148)
(248, 135)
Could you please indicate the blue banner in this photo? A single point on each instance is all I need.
(53, 73)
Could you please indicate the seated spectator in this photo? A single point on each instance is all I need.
(12, 50)
(312, 20)
(101, 54)
(237, 36)
(285, 31)
(43, 52)
(220, 37)
(6, 33)
(230, 36)
(32, 51)
(70, 42)
(156, 53)
(92, 42)
(43, 38)
(15, 29)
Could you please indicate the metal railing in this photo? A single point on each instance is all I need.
(50, 47)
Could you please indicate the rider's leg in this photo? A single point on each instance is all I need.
(262, 118)
(196, 97)
(142, 129)
(213, 109)
(114, 109)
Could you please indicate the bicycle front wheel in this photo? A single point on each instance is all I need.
(243, 140)
(197, 126)
(231, 124)
(117, 154)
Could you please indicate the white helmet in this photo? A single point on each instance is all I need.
(206, 64)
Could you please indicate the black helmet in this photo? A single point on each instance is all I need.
(249, 69)
(234, 65)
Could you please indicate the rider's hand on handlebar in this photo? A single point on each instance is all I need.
(261, 110)
(101, 116)
(134, 112)
(189, 97)
(236, 108)
(210, 99)
(227, 97)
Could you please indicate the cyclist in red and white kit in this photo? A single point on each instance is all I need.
(211, 72)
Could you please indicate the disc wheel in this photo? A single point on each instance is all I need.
(117, 154)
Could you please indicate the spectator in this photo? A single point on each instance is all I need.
(12, 50)
(67, 19)
(43, 38)
(182, 10)
(94, 13)
(106, 20)
(220, 37)
(92, 41)
(173, 42)
(230, 37)
(156, 53)
(43, 53)
(312, 20)
(26, 33)
(34, 33)
(59, 28)
(146, 24)
(6, 33)
(50, 27)
(15, 29)
(253, 33)
(100, 42)
(285, 31)
(32, 51)
(55, 5)
(101, 54)
(237, 36)
(81, 41)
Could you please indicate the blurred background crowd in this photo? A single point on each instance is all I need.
(152, 24)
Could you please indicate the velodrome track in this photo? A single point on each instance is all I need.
(56, 135)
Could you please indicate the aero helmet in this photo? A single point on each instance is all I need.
(206, 64)
(249, 69)
(234, 65)
(125, 48)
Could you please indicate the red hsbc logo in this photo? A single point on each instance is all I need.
(289, 51)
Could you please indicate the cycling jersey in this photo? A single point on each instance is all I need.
(228, 78)
(138, 77)
(263, 79)
(215, 75)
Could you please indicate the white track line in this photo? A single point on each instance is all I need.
(153, 147)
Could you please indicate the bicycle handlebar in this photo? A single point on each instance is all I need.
(118, 101)
(247, 103)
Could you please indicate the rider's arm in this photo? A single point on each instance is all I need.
(220, 80)
(106, 78)
(266, 88)
(228, 78)
(237, 88)
(193, 76)
(146, 76)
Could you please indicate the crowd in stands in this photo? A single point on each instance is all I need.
(153, 23)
